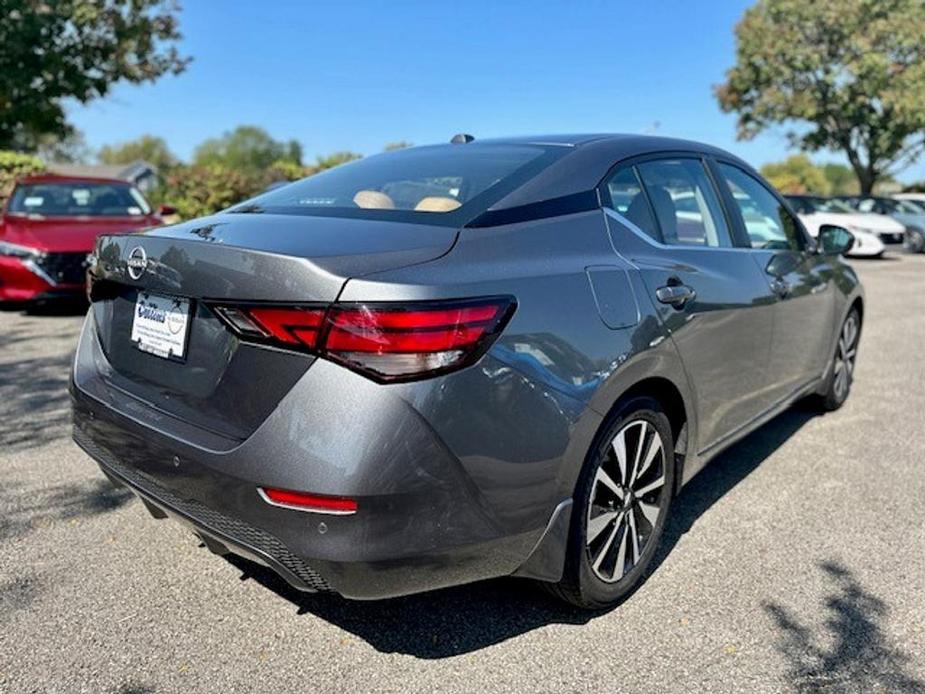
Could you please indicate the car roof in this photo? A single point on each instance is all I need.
(592, 156)
(55, 178)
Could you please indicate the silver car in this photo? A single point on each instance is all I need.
(461, 361)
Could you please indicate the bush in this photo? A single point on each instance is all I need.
(285, 170)
(13, 165)
(196, 191)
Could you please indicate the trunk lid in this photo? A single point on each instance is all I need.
(233, 258)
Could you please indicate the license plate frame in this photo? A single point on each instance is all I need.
(161, 325)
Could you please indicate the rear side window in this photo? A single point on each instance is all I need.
(628, 198)
(672, 201)
(767, 222)
(417, 184)
(685, 204)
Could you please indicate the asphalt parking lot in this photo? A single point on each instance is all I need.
(796, 561)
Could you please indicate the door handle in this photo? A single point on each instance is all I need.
(780, 287)
(676, 295)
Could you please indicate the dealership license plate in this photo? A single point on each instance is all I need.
(159, 325)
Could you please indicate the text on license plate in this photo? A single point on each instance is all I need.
(159, 324)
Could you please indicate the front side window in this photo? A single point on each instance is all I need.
(767, 222)
(414, 184)
(78, 199)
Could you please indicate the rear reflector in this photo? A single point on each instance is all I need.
(386, 342)
(303, 501)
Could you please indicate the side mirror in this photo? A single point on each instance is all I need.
(166, 210)
(834, 240)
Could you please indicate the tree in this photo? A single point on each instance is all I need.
(400, 144)
(841, 179)
(846, 75)
(149, 148)
(68, 149)
(285, 170)
(196, 191)
(335, 159)
(796, 174)
(76, 49)
(13, 165)
(247, 149)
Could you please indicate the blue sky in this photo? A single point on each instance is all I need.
(350, 75)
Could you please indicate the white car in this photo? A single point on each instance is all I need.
(868, 229)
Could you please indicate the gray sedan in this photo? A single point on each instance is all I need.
(461, 361)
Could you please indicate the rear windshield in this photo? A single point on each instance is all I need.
(78, 200)
(430, 184)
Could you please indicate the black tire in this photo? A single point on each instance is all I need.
(914, 241)
(836, 392)
(584, 582)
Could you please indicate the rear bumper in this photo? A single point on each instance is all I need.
(428, 517)
(220, 533)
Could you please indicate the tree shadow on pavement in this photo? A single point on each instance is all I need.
(64, 306)
(850, 651)
(34, 403)
(26, 509)
(454, 621)
(18, 593)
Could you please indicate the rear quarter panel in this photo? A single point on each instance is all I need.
(523, 426)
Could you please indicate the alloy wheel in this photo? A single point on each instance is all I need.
(626, 500)
(845, 356)
(914, 241)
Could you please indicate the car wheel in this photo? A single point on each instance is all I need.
(622, 499)
(914, 241)
(841, 374)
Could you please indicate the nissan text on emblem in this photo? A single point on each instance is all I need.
(137, 262)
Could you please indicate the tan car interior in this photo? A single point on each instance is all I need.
(374, 200)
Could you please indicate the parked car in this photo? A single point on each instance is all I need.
(917, 199)
(49, 225)
(455, 362)
(869, 230)
(907, 213)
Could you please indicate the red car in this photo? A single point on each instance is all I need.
(49, 225)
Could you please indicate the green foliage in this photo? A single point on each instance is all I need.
(797, 175)
(846, 75)
(401, 144)
(247, 149)
(66, 149)
(286, 170)
(149, 148)
(76, 49)
(335, 159)
(196, 191)
(841, 178)
(12, 166)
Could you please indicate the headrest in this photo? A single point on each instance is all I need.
(434, 203)
(373, 200)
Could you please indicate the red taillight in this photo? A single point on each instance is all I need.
(387, 342)
(290, 325)
(303, 501)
